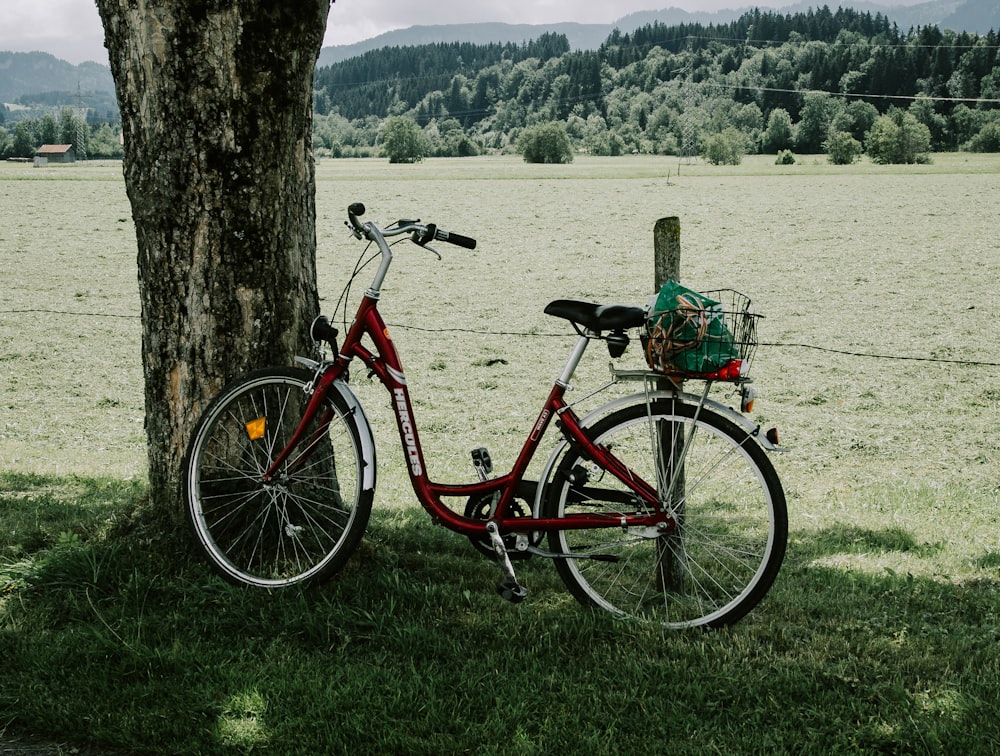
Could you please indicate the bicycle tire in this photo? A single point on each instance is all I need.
(731, 520)
(302, 526)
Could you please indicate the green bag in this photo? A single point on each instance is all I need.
(687, 333)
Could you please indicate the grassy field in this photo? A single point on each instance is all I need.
(878, 284)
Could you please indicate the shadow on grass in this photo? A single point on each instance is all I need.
(847, 566)
(36, 510)
(106, 638)
(854, 539)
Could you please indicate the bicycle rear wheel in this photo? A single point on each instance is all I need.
(726, 501)
(301, 526)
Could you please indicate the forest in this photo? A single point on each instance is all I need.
(775, 82)
(835, 82)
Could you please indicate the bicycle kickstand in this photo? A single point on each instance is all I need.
(509, 588)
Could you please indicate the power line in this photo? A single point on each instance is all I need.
(861, 95)
(689, 85)
(900, 358)
(760, 43)
(748, 42)
(31, 310)
(536, 334)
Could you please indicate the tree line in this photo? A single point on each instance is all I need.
(769, 82)
(90, 138)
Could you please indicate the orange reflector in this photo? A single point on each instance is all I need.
(256, 428)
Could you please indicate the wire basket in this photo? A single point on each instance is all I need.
(714, 339)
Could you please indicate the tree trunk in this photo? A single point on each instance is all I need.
(216, 104)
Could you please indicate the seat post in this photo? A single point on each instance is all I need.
(574, 359)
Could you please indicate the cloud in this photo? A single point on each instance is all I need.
(51, 18)
(71, 29)
(68, 29)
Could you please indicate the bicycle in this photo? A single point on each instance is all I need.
(661, 505)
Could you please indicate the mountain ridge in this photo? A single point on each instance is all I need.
(974, 16)
(35, 73)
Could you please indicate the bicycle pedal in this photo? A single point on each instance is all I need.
(512, 591)
(482, 462)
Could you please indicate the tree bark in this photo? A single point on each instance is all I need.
(216, 104)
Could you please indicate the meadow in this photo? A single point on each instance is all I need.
(878, 364)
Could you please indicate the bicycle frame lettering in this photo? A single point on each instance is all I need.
(406, 431)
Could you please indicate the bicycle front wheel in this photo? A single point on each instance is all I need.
(302, 524)
(729, 521)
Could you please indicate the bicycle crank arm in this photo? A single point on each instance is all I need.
(509, 588)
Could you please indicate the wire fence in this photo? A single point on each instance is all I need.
(537, 334)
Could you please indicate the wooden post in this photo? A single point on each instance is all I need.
(667, 265)
(666, 251)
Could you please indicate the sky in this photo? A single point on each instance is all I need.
(71, 29)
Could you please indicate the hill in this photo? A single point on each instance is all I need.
(44, 78)
(38, 78)
(768, 81)
(580, 36)
(974, 16)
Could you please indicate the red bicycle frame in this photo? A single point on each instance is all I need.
(384, 362)
(386, 365)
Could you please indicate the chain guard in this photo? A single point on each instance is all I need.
(479, 508)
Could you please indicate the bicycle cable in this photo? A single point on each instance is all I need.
(359, 266)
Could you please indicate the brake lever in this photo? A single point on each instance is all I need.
(425, 235)
(354, 232)
(422, 239)
(436, 253)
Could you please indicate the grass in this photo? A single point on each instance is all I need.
(126, 646)
(878, 637)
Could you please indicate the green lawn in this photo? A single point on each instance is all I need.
(879, 636)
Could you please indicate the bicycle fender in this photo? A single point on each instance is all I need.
(364, 429)
(754, 430)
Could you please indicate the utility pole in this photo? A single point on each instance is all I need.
(81, 125)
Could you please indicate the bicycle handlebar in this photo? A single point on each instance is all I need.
(422, 233)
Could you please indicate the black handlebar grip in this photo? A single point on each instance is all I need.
(462, 241)
(353, 211)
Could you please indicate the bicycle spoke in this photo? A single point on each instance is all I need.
(304, 520)
(727, 519)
